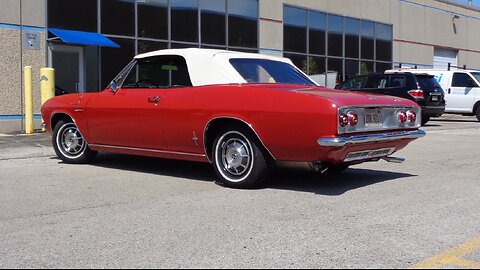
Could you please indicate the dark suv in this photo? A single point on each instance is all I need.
(421, 88)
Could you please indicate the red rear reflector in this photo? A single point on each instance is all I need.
(402, 117)
(352, 119)
(412, 117)
(343, 120)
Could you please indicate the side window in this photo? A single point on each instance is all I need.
(353, 84)
(374, 82)
(158, 72)
(463, 80)
(397, 81)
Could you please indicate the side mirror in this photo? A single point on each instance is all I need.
(113, 87)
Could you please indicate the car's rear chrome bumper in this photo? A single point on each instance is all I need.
(359, 139)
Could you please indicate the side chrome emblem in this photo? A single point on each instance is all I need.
(195, 139)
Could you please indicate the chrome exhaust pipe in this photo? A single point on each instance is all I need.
(394, 159)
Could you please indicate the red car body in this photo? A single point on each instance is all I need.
(288, 119)
(291, 122)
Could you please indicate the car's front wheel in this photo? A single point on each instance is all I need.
(69, 144)
(477, 113)
(238, 158)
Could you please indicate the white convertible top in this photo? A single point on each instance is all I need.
(210, 67)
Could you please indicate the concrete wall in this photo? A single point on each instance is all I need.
(14, 58)
(33, 12)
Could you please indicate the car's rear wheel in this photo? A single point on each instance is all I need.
(69, 144)
(238, 158)
(477, 114)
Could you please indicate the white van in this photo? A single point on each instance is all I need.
(462, 89)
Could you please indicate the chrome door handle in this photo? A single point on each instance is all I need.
(154, 99)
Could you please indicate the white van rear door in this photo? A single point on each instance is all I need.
(460, 97)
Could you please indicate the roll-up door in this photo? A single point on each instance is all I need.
(442, 57)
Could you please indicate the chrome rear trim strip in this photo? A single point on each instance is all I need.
(147, 150)
(343, 141)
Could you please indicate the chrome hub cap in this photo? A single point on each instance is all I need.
(70, 141)
(236, 157)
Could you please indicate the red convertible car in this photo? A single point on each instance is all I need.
(241, 112)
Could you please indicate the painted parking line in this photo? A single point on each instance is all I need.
(453, 257)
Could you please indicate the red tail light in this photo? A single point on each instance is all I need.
(343, 120)
(411, 116)
(402, 117)
(416, 93)
(352, 119)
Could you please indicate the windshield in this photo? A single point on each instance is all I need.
(427, 82)
(269, 71)
(476, 75)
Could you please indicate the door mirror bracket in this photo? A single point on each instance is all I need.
(113, 86)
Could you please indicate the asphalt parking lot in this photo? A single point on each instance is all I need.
(134, 212)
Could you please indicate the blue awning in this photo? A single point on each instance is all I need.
(83, 38)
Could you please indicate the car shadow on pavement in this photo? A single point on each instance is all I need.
(431, 125)
(332, 185)
(166, 167)
(456, 120)
(284, 179)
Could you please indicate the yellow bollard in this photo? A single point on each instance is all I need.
(28, 100)
(47, 86)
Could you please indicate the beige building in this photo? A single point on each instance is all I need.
(345, 36)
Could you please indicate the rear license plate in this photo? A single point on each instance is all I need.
(435, 98)
(373, 118)
(369, 154)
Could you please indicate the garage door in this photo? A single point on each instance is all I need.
(442, 57)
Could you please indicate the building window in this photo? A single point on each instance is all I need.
(118, 17)
(352, 38)
(368, 40)
(335, 35)
(383, 42)
(295, 30)
(243, 23)
(213, 20)
(145, 46)
(184, 20)
(335, 44)
(153, 19)
(157, 24)
(115, 59)
(317, 31)
(351, 68)
(299, 60)
(73, 15)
